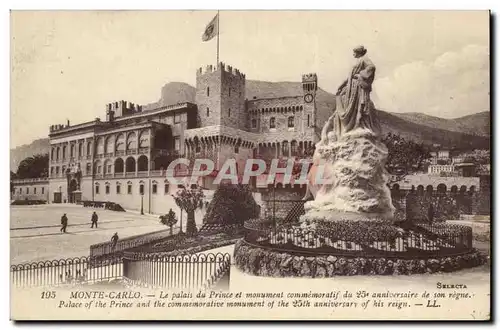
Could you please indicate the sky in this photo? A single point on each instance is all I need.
(66, 65)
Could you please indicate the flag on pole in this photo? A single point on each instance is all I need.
(211, 29)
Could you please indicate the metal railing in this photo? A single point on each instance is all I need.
(344, 238)
(65, 272)
(198, 271)
(108, 248)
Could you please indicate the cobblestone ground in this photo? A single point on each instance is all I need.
(35, 235)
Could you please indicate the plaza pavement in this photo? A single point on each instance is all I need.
(35, 230)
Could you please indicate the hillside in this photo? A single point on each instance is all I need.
(40, 146)
(465, 132)
(476, 124)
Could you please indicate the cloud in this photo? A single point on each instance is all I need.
(455, 84)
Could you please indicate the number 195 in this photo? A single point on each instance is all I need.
(48, 295)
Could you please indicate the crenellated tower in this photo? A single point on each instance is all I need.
(220, 96)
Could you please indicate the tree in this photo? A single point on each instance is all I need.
(169, 219)
(36, 166)
(231, 205)
(481, 157)
(405, 156)
(189, 200)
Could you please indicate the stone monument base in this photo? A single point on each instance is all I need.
(261, 261)
(324, 249)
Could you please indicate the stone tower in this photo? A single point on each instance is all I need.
(309, 88)
(220, 96)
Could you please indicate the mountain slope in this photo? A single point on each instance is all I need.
(40, 146)
(476, 124)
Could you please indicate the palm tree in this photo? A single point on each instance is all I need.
(189, 200)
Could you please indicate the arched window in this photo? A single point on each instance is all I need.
(64, 152)
(131, 141)
(72, 151)
(130, 164)
(272, 122)
(120, 142)
(144, 139)
(129, 187)
(80, 149)
(291, 122)
(293, 147)
(284, 148)
(52, 153)
(154, 187)
(166, 187)
(441, 188)
(97, 188)
(118, 188)
(109, 145)
(89, 148)
(142, 163)
(119, 165)
(100, 145)
(107, 188)
(254, 123)
(141, 187)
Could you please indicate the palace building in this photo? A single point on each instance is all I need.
(123, 158)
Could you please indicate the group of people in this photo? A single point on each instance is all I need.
(93, 220)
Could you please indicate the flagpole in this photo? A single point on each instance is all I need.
(218, 20)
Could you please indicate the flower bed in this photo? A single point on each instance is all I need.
(182, 244)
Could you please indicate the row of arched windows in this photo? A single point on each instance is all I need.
(104, 145)
(108, 166)
(120, 166)
(272, 122)
(441, 188)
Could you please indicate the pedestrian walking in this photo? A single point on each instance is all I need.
(64, 223)
(94, 220)
(114, 240)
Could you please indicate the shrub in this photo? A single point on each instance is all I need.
(231, 204)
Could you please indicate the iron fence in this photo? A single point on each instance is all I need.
(197, 271)
(108, 248)
(65, 271)
(411, 242)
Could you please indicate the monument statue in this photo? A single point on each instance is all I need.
(354, 109)
(348, 177)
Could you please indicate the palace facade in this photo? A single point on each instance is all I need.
(124, 157)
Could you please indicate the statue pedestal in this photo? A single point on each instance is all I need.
(352, 180)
